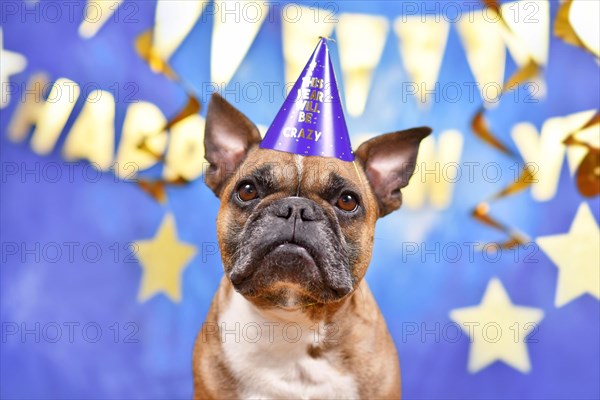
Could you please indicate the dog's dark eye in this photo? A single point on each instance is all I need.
(247, 192)
(347, 202)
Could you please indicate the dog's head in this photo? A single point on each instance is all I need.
(296, 230)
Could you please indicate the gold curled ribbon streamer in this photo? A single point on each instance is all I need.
(493, 5)
(144, 48)
(156, 188)
(527, 72)
(481, 129)
(564, 30)
(479, 124)
(525, 179)
(481, 214)
(587, 176)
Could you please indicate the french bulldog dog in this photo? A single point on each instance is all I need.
(293, 317)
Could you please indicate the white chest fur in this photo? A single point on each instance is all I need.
(269, 356)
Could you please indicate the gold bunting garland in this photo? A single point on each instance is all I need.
(587, 177)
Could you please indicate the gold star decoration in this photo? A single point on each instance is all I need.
(497, 329)
(163, 260)
(577, 257)
(10, 63)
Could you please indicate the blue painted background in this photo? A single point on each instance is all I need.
(565, 359)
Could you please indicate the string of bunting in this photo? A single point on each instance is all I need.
(588, 173)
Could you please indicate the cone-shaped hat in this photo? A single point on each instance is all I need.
(311, 121)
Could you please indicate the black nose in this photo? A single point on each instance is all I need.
(297, 208)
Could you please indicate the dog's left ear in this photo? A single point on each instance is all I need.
(389, 161)
(228, 136)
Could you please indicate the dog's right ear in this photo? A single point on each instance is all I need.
(228, 136)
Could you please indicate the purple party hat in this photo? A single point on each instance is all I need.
(311, 121)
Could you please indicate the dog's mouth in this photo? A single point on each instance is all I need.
(286, 269)
(287, 256)
(294, 250)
